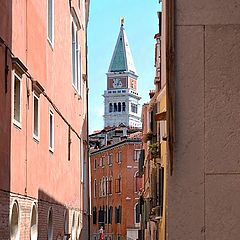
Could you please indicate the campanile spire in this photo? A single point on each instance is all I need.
(121, 97)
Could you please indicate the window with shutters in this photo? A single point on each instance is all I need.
(17, 100)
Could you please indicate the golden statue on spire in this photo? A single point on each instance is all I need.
(122, 21)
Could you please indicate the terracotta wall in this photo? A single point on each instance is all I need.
(127, 198)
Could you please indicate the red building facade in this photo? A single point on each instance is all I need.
(43, 130)
(115, 186)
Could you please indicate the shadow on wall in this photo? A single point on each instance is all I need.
(56, 221)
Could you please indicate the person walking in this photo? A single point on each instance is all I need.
(101, 235)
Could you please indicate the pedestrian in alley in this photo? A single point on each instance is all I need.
(101, 235)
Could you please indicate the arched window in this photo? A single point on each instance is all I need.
(50, 224)
(14, 222)
(123, 106)
(34, 223)
(110, 107)
(78, 227)
(137, 213)
(115, 107)
(73, 227)
(119, 107)
(66, 221)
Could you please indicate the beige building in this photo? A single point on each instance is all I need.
(200, 62)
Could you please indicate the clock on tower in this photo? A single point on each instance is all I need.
(117, 83)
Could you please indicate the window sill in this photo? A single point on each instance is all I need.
(36, 139)
(50, 43)
(17, 124)
(51, 150)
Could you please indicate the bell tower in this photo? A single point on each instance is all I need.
(121, 98)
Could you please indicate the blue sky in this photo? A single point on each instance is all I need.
(141, 24)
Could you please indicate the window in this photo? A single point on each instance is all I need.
(137, 213)
(118, 184)
(118, 214)
(50, 21)
(136, 182)
(17, 117)
(110, 212)
(50, 225)
(78, 227)
(104, 186)
(95, 164)
(14, 222)
(94, 215)
(137, 153)
(51, 131)
(110, 107)
(119, 107)
(101, 164)
(100, 188)
(76, 60)
(36, 117)
(119, 157)
(115, 107)
(73, 227)
(134, 108)
(95, 188)
(101, 216)
(109, 186)
(66, 223)
(110, 159)
(123, 106)
(34, 223)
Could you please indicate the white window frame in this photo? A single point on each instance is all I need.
(77, 67)
(15, 122)
(51, 42)
(51, 114)
(136, 157)
(110, 156)
(119, 157)
(36, 137)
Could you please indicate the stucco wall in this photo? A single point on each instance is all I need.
(202, 193)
